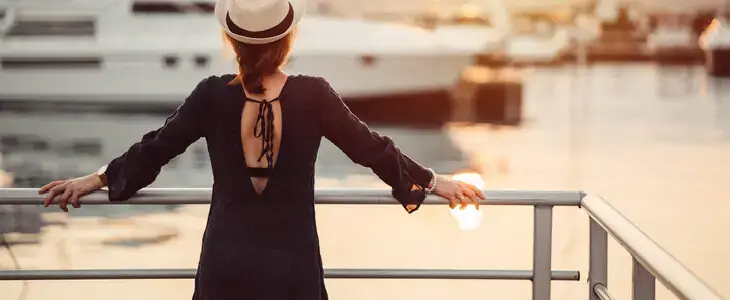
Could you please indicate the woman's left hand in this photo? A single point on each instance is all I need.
(70, 190)
(458, 192)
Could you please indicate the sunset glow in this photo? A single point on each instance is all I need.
(468, 218)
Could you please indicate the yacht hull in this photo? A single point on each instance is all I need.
(116, 80)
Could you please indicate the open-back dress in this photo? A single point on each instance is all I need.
(264, 245)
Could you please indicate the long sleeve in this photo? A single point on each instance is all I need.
(363, 146)
(140, 165)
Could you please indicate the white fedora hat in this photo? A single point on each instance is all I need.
(259, 21)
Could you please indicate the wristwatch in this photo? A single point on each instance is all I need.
(102, 174)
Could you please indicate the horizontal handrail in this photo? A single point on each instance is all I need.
(646, 253)
(328, 273)
(667, 269)
(29, 196)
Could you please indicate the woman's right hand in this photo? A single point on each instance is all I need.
(458, 192)
(70, 190)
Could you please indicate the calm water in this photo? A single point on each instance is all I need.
(654, 141)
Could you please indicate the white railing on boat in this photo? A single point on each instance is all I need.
(650, 261)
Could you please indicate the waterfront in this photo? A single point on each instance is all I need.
(654, 141)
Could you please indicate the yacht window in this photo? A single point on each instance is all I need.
(175, 7)
(50, 62)
(201, 61)
(170, 61)
(52, 28)
(23, 143)
(367, 60)
(88, 147)
(204, 6)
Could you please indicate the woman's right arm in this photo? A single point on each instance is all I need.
(407, 178)
(141, 163)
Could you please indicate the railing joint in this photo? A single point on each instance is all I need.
(582, 195)
(601, 292)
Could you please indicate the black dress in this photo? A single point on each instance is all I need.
(264, 246)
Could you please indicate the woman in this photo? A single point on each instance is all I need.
(263, 130)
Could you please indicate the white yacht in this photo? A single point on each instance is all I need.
(144, 51)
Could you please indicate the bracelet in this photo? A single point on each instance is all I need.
(431, 184)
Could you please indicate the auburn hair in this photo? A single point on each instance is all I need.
(258, 60)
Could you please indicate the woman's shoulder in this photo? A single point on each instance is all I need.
(209, 93)
(310, 80)
(316, 86)
(217, 83)
(214, 87)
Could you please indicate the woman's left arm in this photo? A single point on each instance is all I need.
(142, 162)
(407, 178)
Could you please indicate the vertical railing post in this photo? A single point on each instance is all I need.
(643, 283)
(541, 253)
(598, 265)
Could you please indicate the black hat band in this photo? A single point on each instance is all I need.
(277, 30)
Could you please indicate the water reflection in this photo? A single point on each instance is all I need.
(679, 83)
(41, 147)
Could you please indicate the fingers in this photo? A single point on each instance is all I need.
(462, 194)
(459, 198)
(63, 200)
(75, 199)
(453, 202)
(67, 191)
(478, 192)
(472, 195)
(468, 194)
(55, 191)
(47, 187)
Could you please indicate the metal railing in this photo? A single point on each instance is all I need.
(650, 261)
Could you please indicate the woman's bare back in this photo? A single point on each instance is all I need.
(254, 120)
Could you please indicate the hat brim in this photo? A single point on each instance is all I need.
(221, 11)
